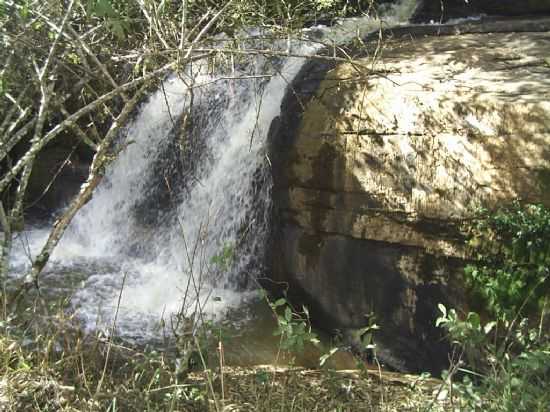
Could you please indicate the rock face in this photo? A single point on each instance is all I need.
(375, 169)
(438, 10)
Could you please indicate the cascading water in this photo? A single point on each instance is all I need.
(168, 245)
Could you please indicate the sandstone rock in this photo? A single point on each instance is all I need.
(375, 170)
(437, 10)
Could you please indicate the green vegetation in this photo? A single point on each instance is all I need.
(512, 272)
(505, 358)
(293, 328)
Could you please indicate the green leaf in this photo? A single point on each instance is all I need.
(288, 314)
(279, 302)
(474, 320)
(24, 11)
(73, 58)
(104, 8)
(117, 28)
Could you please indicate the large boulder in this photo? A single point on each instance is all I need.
(443, 10)
(375, 168)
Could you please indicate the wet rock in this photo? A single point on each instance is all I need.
(437, 10)
(375, 170)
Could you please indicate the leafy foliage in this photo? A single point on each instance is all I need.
(513, 258)
(502, 372)
(506, 360)
(224, 258)
(293, 327)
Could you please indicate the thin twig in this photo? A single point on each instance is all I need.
(111, 335)
(208, 376)
(5, 250)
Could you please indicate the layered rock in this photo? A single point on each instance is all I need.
(438, 10)
(376, 166)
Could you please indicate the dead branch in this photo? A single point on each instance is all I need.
(6, 243)
(38, 144)
(100, 162)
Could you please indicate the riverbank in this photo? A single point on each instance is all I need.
(71, 373)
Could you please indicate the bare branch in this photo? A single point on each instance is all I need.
(7, 145)
(152, 24)
(10, 142)
(209, 25)
(183, 22)
(80, 133)
(47, 91)
(94, 58)
(9, 115)
(6, 243)
(55, 42)
(100, 162)
(70, 121)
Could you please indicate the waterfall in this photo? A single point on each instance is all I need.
(180, 215)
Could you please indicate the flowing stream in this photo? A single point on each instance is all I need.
(179, 222)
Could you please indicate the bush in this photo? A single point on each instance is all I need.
(512, 270)
(505, 362)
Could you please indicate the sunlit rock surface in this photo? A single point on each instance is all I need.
(442, 10)
(374, 170)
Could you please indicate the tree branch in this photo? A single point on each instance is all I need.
(6, 244)
(100, 162)
(70, 121)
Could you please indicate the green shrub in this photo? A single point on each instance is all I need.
(505, 362)
(512, 249)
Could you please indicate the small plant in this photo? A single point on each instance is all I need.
(498, 375)
(293, 327)
(224, 259)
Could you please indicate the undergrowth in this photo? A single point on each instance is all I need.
(502, 353)
(48, 364)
